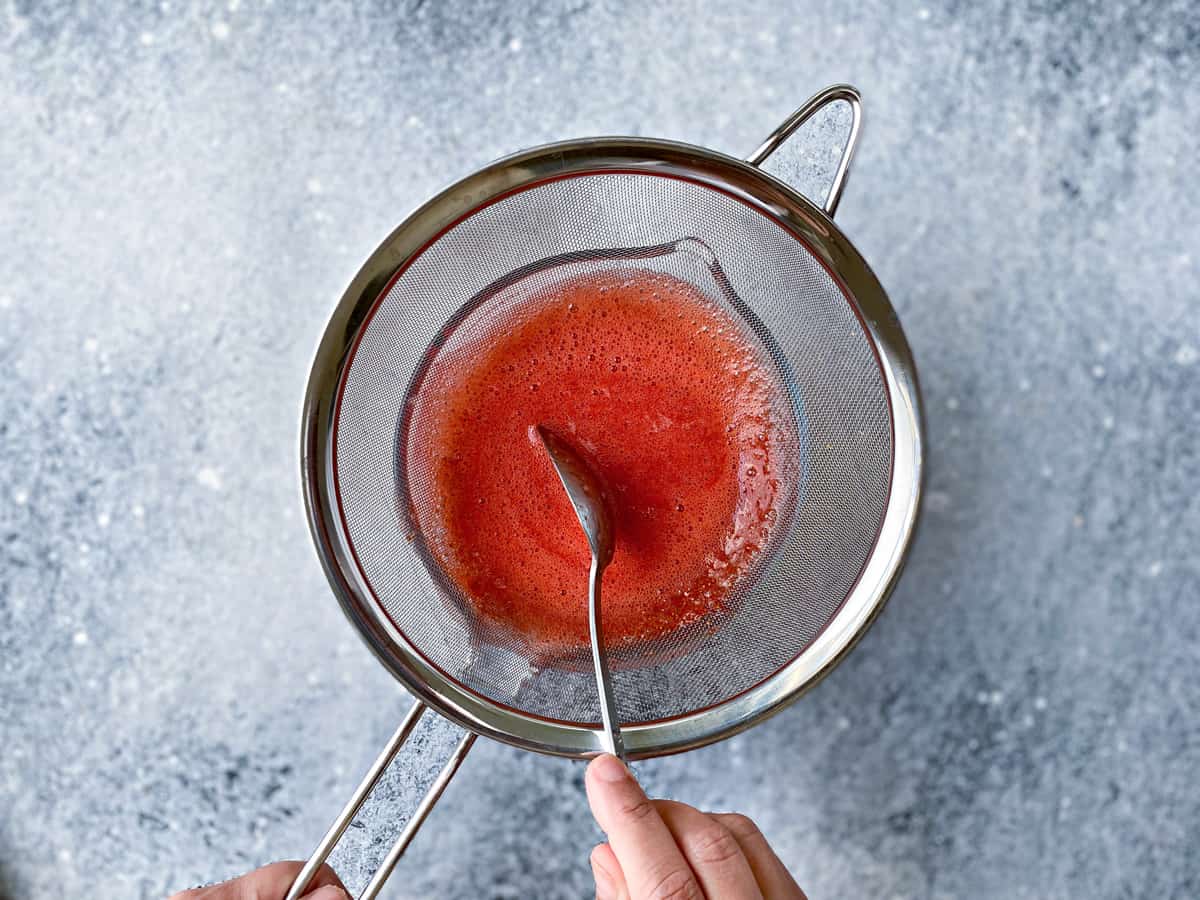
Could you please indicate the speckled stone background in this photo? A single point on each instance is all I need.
(185, 190)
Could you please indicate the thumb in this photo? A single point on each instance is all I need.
(643, 845)
(329, 892)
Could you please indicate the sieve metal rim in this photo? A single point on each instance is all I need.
(755, 188)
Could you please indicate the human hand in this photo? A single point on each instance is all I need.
(663, 850)
(270, 883)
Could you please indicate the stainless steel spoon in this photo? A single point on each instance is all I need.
(586, 493)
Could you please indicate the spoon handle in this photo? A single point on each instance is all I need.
(608, 705)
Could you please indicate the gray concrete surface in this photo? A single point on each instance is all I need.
(184, 192)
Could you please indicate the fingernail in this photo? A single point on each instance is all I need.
(329, 892)
(608, 768)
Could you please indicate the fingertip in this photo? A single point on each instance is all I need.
(329, 892)
(605, 871)
(610, 788)
(597, 860)
(603, 856)
(608, 769)
(326, 876)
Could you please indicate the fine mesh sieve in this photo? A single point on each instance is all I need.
(458, 269)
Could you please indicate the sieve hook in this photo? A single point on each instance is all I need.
(346, 816)
(819, 101)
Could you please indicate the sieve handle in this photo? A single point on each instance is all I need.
(819, 101)
(346, 816)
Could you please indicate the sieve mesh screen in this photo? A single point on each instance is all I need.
(840, 439)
